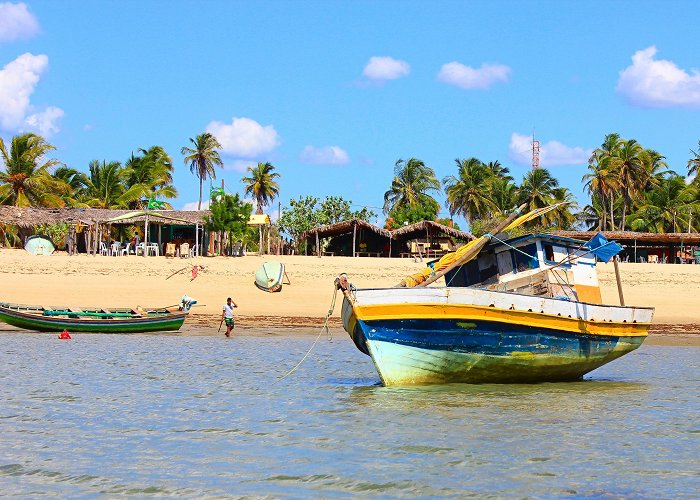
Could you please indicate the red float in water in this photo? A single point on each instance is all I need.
(64, 335)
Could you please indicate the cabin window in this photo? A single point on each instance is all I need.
(548, 252)
(526, 258)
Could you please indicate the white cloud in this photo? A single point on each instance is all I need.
(244, 137)
(192, 205)
(326, 155)
(44, 122)
(466, 77)
(239, 165)
(650, 82)
(552, 153)
(18, 79)
(16, 22)
(386, 68)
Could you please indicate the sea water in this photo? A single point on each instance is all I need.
(193, 416)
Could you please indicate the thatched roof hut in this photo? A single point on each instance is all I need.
(429, 228)
(26, 217)
(627, 237)
(351, 237)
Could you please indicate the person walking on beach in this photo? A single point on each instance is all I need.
(227, 315)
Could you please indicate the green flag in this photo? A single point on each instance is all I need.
(214, 192)
(154, 204)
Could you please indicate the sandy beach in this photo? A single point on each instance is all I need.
(123, 281)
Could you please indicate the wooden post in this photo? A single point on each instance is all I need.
(318, 248)
(616, 259)
(354, 235)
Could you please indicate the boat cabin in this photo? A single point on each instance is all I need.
(535, 264)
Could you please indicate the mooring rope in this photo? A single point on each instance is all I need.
(324, 327)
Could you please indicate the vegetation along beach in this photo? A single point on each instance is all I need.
(461, 247)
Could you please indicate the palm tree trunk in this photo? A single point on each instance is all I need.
(199, 207)
(612, 213)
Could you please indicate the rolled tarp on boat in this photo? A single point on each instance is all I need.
(39, 244)
(269, 277)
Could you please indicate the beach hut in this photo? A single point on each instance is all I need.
(356, 238)
(427, 239)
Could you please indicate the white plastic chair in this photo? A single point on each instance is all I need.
(103, 249)
(126, 249)
(185, 250)
(141, 247)
(193, 250)
(115, 247)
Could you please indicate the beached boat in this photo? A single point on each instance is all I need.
(270, 276)
(515, 310)
(112, 320)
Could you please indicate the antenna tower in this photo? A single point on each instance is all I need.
(535, 153)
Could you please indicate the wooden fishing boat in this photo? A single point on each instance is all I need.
(526, 310)
(270, 276)
(94, 320)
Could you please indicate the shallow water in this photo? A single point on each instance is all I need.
(148, 415)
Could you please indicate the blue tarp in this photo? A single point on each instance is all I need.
(602, 248)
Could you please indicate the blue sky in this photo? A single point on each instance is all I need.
(333, 93)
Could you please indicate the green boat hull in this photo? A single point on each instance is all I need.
(34, 319)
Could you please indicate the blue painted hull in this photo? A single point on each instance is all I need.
(420, 351)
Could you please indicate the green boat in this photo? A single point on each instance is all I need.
(94, 320)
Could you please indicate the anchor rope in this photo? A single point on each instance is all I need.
(323, 328)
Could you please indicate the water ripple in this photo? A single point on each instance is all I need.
(170, 416)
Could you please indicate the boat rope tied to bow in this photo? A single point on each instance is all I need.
(324, 328)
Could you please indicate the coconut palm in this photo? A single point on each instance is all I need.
(203, 159)
(602, 183)
(694, 162)
(261, 185)
(632, 173)
(151, 174)
(27, 179)
(412, 182)
(538, 189)
(76, 180)
(468, 193)
(667, 207)
(107, 186)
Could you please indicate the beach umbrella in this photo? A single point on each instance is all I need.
(39, 244)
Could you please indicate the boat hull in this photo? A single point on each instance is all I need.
(269, 277)
(33, 321)
(447, 335)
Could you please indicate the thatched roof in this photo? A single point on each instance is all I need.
(343, 227)
(419, 229)
(29, 217)
(631, 236)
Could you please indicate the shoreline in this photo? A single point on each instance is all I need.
(130, 281)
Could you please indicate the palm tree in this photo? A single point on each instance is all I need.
(631, 173)
(76, 180)
(151, 174)
(603, 180)
(261, 185)
(694, 162)
(27, 179)
(468, 193)
(538, 189)
(602, 183)
(107, 186)
(203, 159)
(666, 208)
(410, 186)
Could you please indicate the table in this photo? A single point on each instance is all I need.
(152, 248)
(368, 254)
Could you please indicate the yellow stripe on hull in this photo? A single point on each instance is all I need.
(514, 317)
